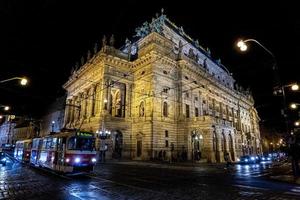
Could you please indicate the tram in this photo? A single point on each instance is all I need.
(66, 152)
(23, 150)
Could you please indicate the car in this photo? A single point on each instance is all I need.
(265, 158)
(3, 158)
(247, 160)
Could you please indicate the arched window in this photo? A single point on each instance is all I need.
(165, 109)
(214, 141)
(142, 109)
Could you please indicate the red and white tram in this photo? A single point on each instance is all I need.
(22, 150)
(67, 152)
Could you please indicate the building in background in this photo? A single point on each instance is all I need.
(162, 96)
(53, 120)
(24, 129)
(7, 130)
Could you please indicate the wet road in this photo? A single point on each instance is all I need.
(137, 180)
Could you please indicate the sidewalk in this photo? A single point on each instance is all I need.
(283, 172)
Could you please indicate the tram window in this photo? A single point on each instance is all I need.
(53, 143)
(78, 143)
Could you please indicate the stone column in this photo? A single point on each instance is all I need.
(100, 87)
(109, 100)
(93, 100)
(128, 100)
(72, 109)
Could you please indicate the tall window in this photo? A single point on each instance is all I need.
(196, 112)
(142, 109)
(166, 133)
(214, 141)
(165, 109)
(187, 111)
(94, 100)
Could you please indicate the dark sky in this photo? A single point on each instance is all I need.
(44, 39)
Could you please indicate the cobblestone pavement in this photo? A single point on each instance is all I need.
(135, 180)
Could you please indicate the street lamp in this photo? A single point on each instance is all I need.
(6, 108)
(242, 44)
(294, 105)
(23, 80)
(295, 87)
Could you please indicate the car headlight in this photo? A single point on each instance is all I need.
(252, 158)
(263, 158)
(3, 159)
(94, 160)
(268, 158)
(77, 160)
(246, 160)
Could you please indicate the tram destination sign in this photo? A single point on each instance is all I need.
(84, 134)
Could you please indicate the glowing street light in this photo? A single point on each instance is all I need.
(295, 87)
(297, 123)
(294, 105)
(6, 108)
(23, 80)
(242, 45)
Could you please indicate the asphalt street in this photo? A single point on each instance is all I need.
(141, 180)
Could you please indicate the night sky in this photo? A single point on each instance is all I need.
(44, 39)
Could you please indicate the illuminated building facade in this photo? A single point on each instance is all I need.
(162, 96)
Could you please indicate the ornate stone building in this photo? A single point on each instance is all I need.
(162, 95)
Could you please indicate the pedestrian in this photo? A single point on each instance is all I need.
(227, 160)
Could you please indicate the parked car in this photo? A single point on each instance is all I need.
(2, 158)
(247, 160)
(265, 158)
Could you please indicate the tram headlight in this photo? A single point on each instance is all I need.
(67, 160)
(77, 160)
(94, 160)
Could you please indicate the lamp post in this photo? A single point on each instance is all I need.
(23, 80)
(103, 134)
(242, 44)
(5, 107)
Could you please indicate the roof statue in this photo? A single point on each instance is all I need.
(218, 61)
(82, 60)
(128, 46)
(112, 40)
(89, 55)
(208, 51)
(181, 31)
(104, 41)
(96, 48)
(76, 66)
(143, 30)
(197, 44)
(156, 25)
